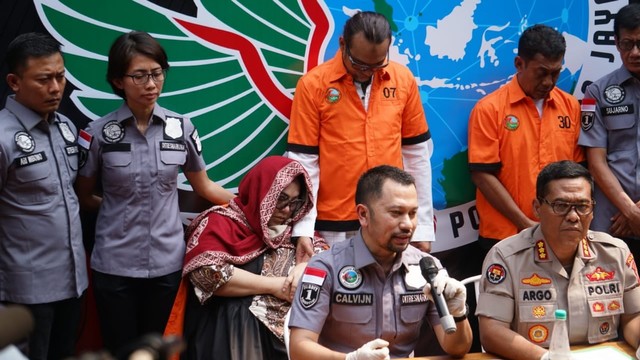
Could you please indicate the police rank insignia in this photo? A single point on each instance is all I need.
(588, 110)
(350, 277)
(511, 122)
(196, 141)
(113, 131)
(66, 133)
(332, 96)
(311, 283)
(173, 127)
(24, 141)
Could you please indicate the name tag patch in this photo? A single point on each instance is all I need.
(353, 299)
(31, 159)
(538, 295)
(72, 150)
(172, 146)
(617, 110)
(416, 298)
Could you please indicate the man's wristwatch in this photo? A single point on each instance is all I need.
(464, 316)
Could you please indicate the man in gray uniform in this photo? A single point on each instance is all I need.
(42, 260)
(364, 296)
(611, 138)
(558, 264)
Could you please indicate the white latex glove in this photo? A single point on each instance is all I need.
(455, 294)
(373, 350)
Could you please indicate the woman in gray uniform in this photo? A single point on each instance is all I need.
(135, 153)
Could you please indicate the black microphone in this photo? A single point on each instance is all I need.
(429, 271)
(16, 323)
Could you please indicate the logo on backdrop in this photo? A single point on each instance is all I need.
(228, 74)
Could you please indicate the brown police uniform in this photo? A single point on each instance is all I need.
(524, 283)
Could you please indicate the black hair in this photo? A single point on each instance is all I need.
(370, 183)
(125, 47)
(374, 26)
(628, 17)
(29, 45)
(564, 169)
(541, 39)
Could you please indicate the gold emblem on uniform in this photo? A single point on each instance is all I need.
(614, 305)
(539, 312)
(541, 248)
(597, 307)
(538, 333)
(536, 280)
(585, 248)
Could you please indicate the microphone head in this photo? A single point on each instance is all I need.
(428, 266)
(16, 323)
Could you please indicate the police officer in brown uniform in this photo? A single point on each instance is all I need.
(558, 264)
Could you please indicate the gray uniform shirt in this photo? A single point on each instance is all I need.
(138, 231)
(524, 283)
(613, 125)
(42, 258)
(345, 297)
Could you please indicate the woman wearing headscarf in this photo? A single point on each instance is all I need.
(241, 265)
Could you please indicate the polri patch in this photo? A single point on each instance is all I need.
(350, 277)
(31, 159)
(24, 141)
(66, 133)
(496, 273)
(173, 128)
(614, 94)
(113, 131)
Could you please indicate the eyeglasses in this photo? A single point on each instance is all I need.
(141, 78)
(563, 208)
(294, 204)
(365, 67)
(628, 44)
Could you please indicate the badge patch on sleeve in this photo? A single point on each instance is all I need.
(84, 139)
(496, 273)
(196, 141)
(311, 283)
(588, 110)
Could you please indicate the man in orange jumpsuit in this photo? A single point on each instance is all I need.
(354, 112)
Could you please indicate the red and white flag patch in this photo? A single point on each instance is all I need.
(84, 139)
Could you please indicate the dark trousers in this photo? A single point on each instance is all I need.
(131, 307)
(56, 329)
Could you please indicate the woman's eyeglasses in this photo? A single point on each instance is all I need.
(294, 204)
